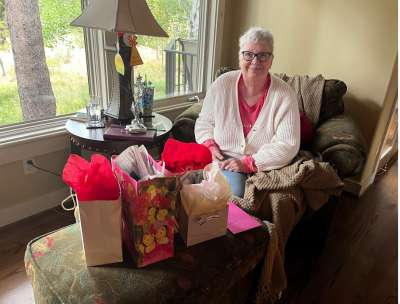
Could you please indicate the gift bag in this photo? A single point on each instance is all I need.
(99, 207)
(203, 210)
(148, 206)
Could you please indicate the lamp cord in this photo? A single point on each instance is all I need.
(42, 169)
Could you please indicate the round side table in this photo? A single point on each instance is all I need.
(93, 140)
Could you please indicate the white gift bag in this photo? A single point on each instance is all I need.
(100, 223)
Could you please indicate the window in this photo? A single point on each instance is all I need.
(54, 78)
(171, 64)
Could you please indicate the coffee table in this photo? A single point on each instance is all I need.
(93, 140)
(215, 271)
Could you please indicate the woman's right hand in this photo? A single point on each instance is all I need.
(214, 149)
(216, 153)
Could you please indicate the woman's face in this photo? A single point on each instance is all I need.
(260, 65)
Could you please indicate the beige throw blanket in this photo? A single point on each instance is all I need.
(309, 94)
(280, 197)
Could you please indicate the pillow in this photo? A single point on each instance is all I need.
(306, 130)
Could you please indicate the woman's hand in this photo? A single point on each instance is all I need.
(233, 164)
(216, 153)
(244, 165)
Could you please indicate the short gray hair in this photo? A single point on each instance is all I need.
(256, 34)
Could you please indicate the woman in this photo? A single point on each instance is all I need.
(250, 118)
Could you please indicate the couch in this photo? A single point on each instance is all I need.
(336, 138)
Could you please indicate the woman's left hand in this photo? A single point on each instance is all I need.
(232, 164)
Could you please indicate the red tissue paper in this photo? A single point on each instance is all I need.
(181, 156)
(91, 181)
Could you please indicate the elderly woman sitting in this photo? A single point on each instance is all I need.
(250, 119)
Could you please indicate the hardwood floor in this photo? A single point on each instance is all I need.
(14, 285)
(358, 263)
(359, 260)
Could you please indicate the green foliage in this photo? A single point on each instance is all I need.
(9, 104)
(153, 71)
(4, 34)
(56, 16)
(173, 17)
(71, 92)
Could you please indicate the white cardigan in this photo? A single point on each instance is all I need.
(274, 139)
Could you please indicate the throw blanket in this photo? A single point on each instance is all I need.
(309, 94)
(280, 197)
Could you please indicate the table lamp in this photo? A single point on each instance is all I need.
(126, 16)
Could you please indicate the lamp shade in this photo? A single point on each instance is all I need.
(128, 16)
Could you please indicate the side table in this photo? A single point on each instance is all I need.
(93, 140)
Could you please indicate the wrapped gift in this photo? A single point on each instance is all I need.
(148, 209)
(203, 211)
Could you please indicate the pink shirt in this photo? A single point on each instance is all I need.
(249, 114)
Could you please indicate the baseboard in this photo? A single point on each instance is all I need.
(356, 187)
(31, 207)
(352, 186)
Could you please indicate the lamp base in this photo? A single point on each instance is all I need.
(124, 117)
(121, 94)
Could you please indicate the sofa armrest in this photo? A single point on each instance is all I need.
(341, 143)
(183, 126)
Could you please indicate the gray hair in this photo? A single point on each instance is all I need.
(256, 34)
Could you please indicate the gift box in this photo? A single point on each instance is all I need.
(148, 208)
(203, 211)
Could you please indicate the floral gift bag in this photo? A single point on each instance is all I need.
(148, 210)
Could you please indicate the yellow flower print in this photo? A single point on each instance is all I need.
(173, 203)
(163, 190)
(161, 235)
(162, 214)
(152, 191)
(151, 215)
(148, 241)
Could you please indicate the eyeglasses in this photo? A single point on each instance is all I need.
(262, 56)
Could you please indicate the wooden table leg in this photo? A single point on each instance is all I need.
(74, 147)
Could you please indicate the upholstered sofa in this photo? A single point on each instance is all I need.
(336, 137)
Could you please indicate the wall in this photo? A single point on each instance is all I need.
(24, 194)
(355, 41)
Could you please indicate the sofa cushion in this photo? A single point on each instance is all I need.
(341, 143)
(332, 99)
(183, 128)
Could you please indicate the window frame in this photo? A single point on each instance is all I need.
(211, 22)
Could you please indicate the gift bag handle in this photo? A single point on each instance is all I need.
(71, 196)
